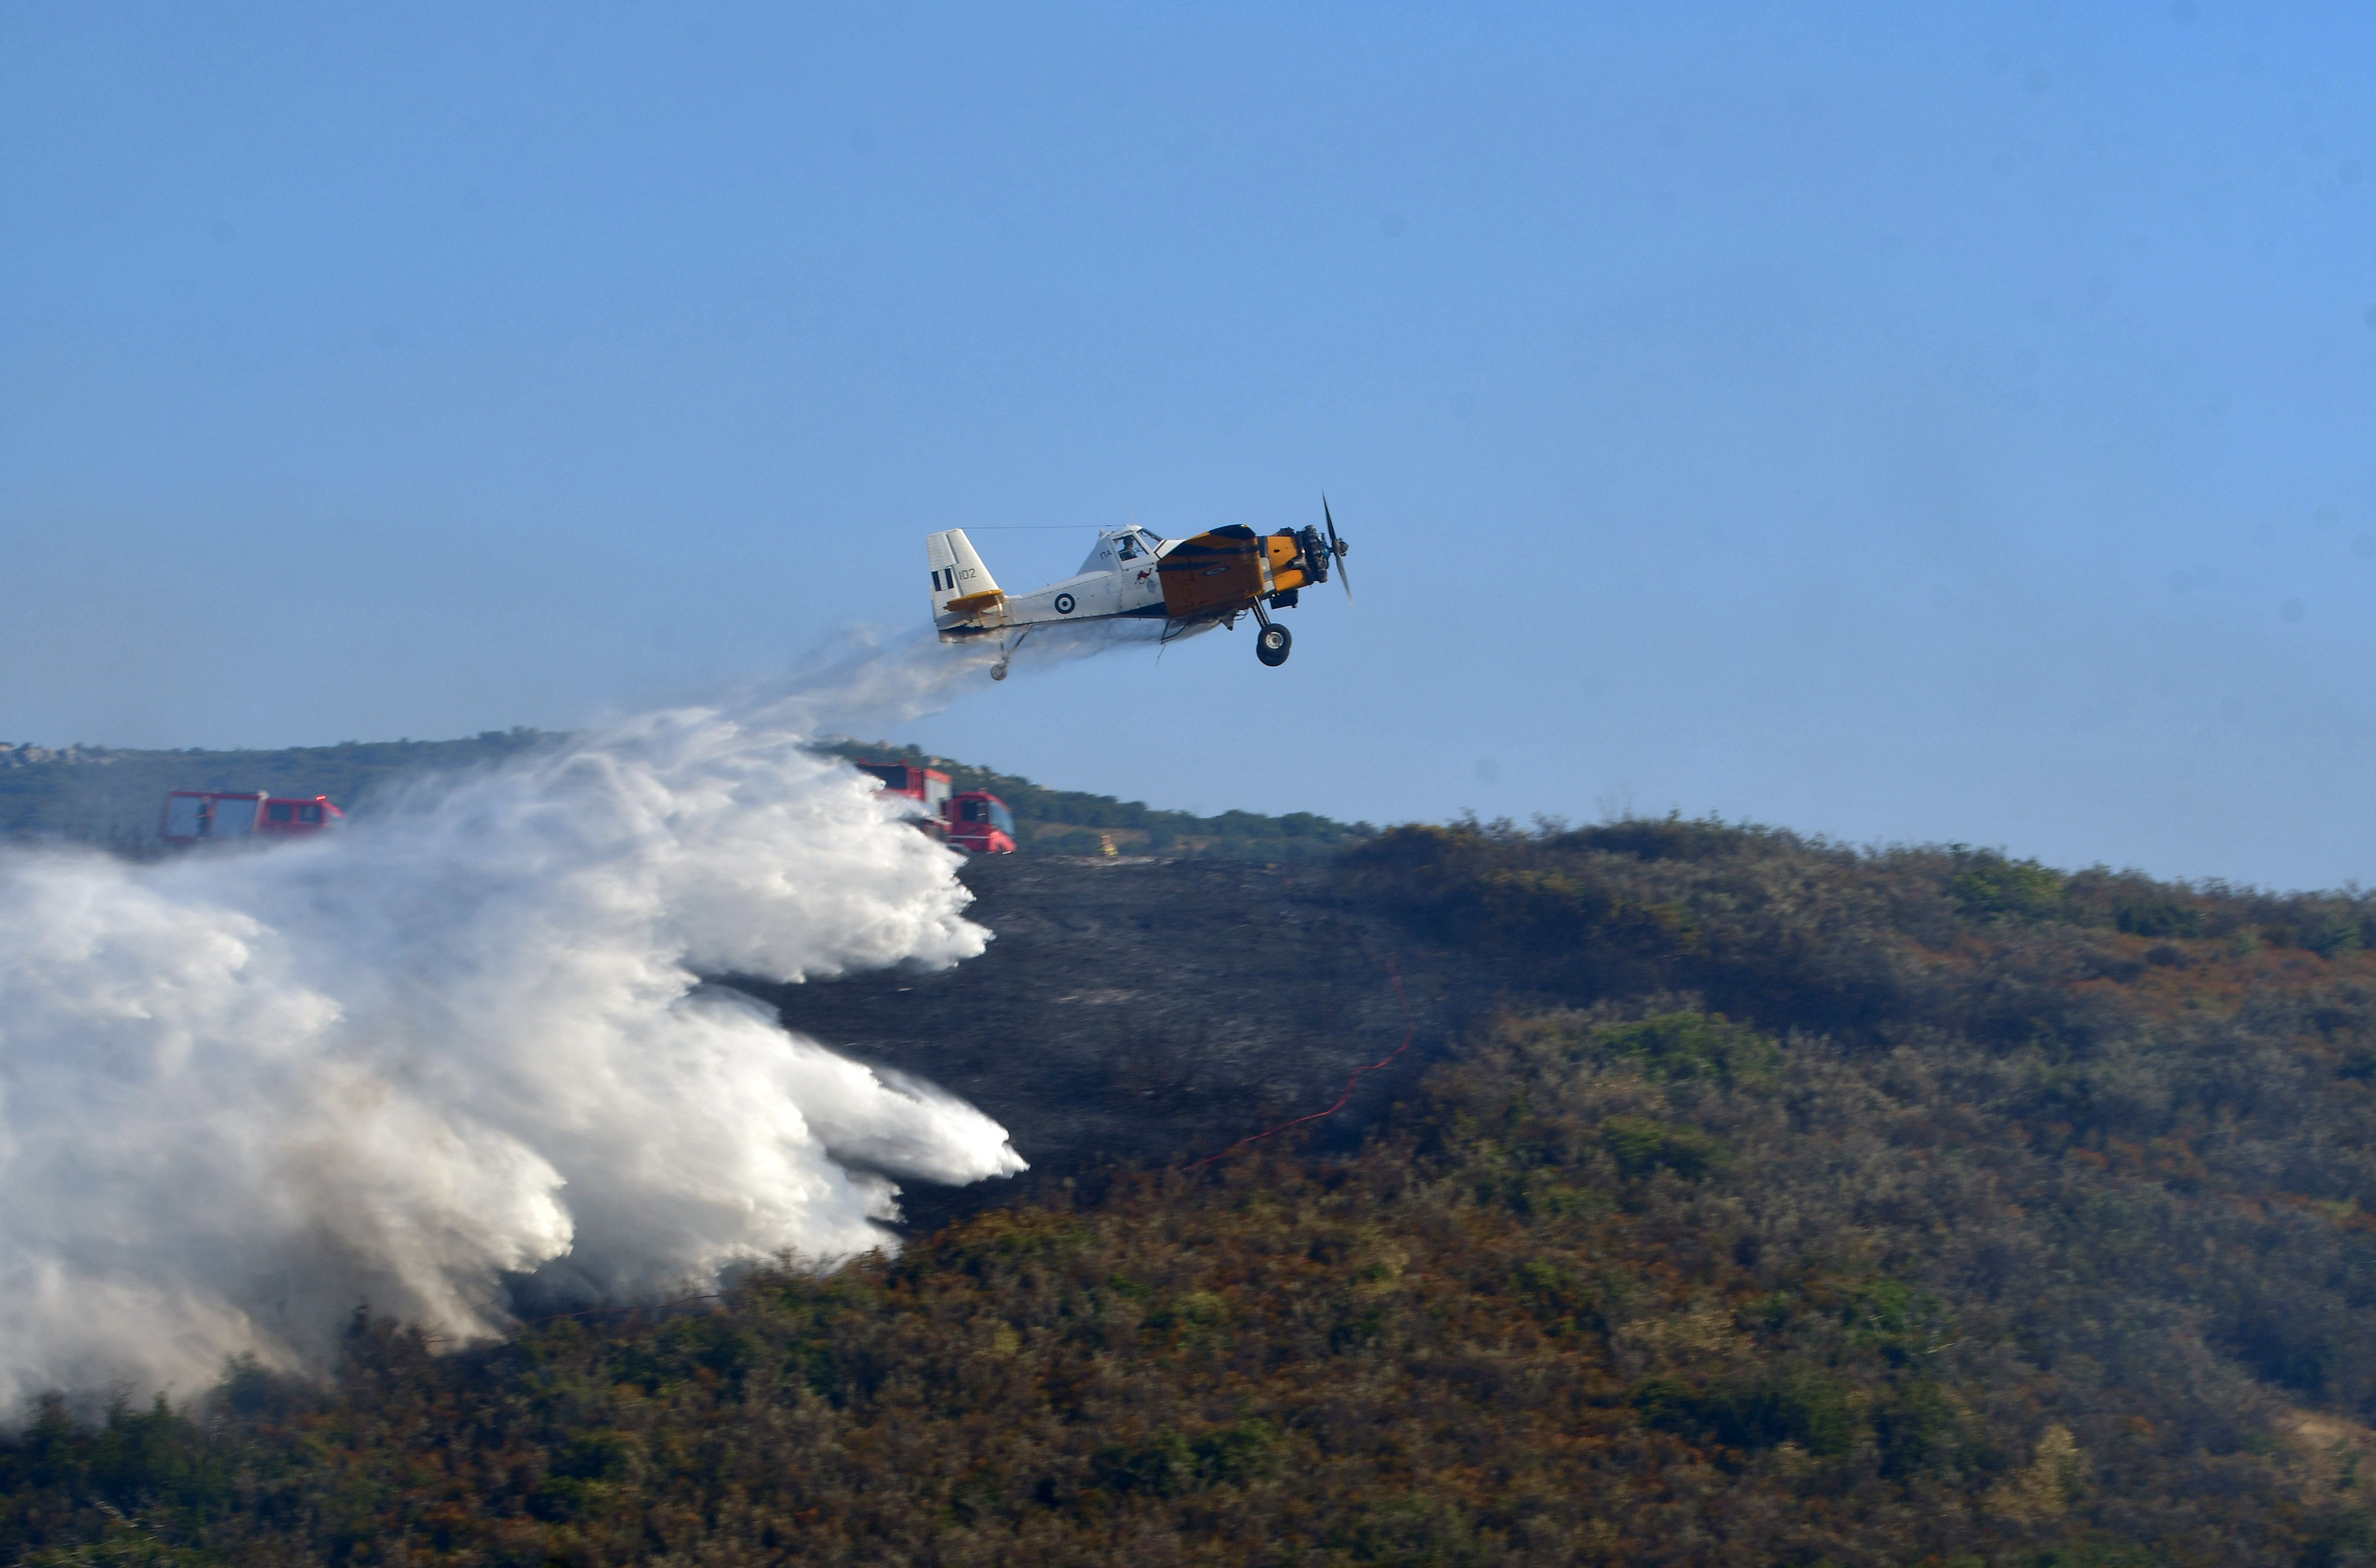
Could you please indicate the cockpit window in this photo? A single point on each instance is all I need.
(1127, 547)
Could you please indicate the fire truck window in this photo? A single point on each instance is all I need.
(280, 813)
(309, 813)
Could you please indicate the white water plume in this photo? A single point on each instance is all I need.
(463, 1039)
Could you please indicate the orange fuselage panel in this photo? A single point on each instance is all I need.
(1227, 570)
(1212, 573)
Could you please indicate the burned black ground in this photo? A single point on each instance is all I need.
(1144, 1012)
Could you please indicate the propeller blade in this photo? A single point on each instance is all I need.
(1337, 548)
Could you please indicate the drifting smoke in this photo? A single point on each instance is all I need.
(462, 1041)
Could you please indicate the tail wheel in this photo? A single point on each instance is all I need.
(1271, 645)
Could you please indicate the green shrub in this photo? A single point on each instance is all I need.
(1640, 1146)
(1679, 1046)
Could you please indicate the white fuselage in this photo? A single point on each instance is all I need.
(1118, 579)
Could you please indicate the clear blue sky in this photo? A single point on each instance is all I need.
(1945, 423)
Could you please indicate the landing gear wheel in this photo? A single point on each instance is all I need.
(998, 670)
(1271, 645)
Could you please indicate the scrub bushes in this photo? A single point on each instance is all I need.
(1795, 1205)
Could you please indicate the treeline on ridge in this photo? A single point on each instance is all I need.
(113, 797)
(1073, 822)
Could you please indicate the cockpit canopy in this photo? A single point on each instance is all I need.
(1121, 548)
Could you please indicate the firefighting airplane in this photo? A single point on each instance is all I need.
(1187, 584)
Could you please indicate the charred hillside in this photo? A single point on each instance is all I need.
(1142, 1011)
(1745, 1200)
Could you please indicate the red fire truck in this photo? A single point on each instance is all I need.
(976, 820)
(192, 815)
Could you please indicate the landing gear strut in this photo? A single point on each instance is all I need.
(1271, 644)
(1007, 651)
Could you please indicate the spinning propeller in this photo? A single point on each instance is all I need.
(1339, 549)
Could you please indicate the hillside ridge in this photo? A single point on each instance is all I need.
(112, 796)
(1745, 1199)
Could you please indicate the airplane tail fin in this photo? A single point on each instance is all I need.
(965, 595)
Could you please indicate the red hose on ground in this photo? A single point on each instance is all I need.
(1410, 1026)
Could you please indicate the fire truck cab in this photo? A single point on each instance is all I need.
(980, 824)
(196, 815)
(977, 821)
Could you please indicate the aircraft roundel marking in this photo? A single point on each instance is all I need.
(1064, 604)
